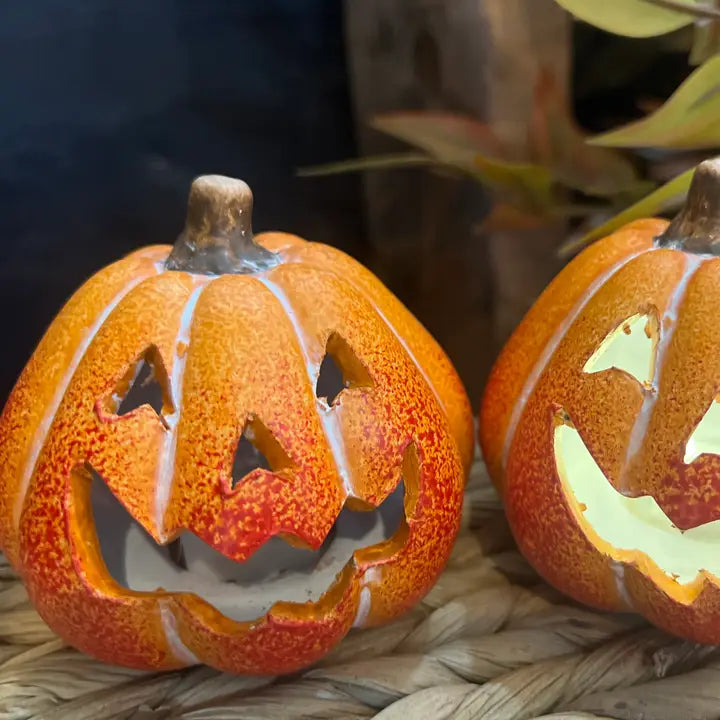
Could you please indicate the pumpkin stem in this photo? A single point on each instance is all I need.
(696, 228)
(218, 235)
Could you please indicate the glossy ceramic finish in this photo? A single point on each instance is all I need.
(636, 434)
(229, 349)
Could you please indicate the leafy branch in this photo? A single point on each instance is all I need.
(570, 175)
(688, 120)
(565, 178)
(651, 18)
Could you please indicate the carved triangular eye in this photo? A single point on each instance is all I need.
(257, 449)
(630, 347)
(340, 369)
(144, 390)
(330, 381)
(145, 383)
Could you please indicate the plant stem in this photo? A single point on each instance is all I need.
(704, 12)
(375, 162)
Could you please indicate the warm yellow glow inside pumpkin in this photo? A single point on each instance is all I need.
(631, 530)
(629, 347)
(706, 436)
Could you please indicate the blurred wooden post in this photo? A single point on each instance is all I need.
(478, 57)
(527, 36)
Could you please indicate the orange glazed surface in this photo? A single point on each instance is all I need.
(228, 348)
(636, 432)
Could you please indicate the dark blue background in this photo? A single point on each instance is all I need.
(109, 108)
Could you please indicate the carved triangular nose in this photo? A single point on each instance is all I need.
(257, 449)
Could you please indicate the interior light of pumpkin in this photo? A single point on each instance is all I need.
(629, 347)
(630, 525)
(620, 511)
(706, 436)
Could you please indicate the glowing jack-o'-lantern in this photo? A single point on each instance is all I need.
(231, 452)
(601, 421)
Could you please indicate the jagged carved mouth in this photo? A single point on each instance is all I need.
(630, 529)
(241, 591)
(635, 530)
(277, 571)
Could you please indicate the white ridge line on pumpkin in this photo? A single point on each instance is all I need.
(410, 354)
(166, 459)
(43, 429)
(328, 418)
(550, 348)
(177, 647)
(637, 434)
(371, 576)
(618, 570)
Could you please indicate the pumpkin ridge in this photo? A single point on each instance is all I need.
(637, 435)
(549, 350)
(45, 426)
(176, 646)
(328, 422)
(408, 352)
(358, 288)
(166, 460)
(323, 257)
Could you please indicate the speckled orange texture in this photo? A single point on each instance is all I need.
(688, 494)
(524, 348)
(31, 402)
(608, 408)
(243, 359)
(230, 350)
(427, 352)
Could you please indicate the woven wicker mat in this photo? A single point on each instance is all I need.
(490, 641)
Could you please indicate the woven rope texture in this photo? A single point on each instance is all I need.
(490, 641)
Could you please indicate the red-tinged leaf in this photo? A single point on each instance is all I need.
(558, 143)
(449, 138)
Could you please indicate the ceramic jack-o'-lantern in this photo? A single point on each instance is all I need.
(601, 421)
(230, 452)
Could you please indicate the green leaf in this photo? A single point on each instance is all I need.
(667, 197)
(456, 143)
(689, 120)
(452, 139)
(523, 184)
(375, 162)
(631, 18)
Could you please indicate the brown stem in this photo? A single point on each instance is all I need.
(696, 228)
(218, 235)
